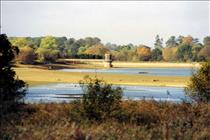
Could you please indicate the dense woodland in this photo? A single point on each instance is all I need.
(49, 48)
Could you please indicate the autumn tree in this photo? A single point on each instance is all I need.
(170, 54)
(99, 49)
(188, 40)
(26, 55)
(143, 52)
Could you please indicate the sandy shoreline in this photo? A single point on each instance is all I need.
(156, 64)
(118, 64)
(36, 76)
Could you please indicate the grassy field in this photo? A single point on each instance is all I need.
(36, 76)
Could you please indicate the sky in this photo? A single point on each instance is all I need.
(119, 22)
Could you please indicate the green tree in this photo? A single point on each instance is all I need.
(171, 42)
(71, 47)
(11, 88)
(61, 45)
(156, 55)
(199, 87)
(184, 52)
(19, 41)
(34, 42)
(48, 50)
(179, 39)
(158, 42)
(90, 41)
(195, 51)
(206, 41)
(204, 53)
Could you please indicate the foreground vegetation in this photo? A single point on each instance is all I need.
(136, 120)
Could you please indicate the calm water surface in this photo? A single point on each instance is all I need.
(61, 93)
(143, 71)
(65, 92)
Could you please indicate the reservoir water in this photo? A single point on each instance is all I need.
(64, 92)
(143, 71)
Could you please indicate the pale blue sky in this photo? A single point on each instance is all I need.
(120, 22)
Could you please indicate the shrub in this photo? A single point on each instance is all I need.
(199, 87)
(100, 99)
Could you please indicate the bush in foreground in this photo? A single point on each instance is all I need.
(100, 100)
(199, 87)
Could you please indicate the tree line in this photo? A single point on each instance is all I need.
(49, 48)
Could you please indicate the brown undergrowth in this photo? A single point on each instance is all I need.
(135, 120)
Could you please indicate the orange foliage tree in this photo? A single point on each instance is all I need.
(143, 52)
(26, 55)
(97, 50)
(188, 40)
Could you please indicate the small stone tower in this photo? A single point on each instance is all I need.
(108, 61)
